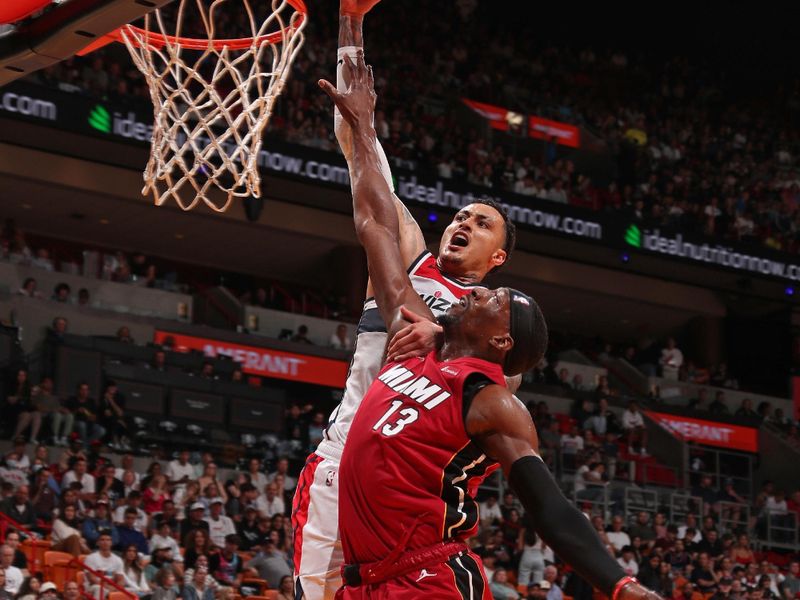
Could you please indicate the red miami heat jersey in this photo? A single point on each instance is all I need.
(408, 462)
(438, 291)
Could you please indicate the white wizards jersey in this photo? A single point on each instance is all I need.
(438, 291)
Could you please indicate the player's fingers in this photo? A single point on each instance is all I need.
(351, 68)
(370, 78)
(362, 65)
(406, 355)
(329, 89)
(398, 339)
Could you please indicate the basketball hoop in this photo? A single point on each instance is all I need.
(212, 98)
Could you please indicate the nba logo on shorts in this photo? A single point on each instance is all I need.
(329, 478)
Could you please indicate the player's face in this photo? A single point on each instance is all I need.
(480, 314)
(473, 242)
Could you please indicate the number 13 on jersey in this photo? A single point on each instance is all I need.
(400, 418)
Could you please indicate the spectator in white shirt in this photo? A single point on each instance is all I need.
(106, 562)
(79, 474)
(180, 471)
(340, 340)
(127, 465)
(490, 512)
(617, 537)
(14, 576)
(270, 504)
(633, 426)
(571, 444)
(628, 562)
(219, 525)
(671, 360)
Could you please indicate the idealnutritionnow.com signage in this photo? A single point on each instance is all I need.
(80, 114)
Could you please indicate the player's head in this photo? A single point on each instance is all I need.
(479, 240)
(504, 326)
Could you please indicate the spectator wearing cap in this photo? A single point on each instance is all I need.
(226, 566)
(48, 591)
(194, 520)
(101, 521)
(270, 563)
(219, 525)
(134, 501)
(162, 558)
(128, 535)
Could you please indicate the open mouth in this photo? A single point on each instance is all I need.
(459, 239)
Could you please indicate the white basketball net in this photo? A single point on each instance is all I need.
(211, 105)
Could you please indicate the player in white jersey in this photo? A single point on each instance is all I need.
(478, 241)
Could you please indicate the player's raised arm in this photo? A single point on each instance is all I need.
(502, 427)
(376, 221)
(351, 41)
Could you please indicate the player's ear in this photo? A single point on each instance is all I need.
(504, 342)
(498, 258)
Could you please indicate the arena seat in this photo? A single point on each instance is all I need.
(59, 568)
(34, 551)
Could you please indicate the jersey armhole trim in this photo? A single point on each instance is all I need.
(418, 261)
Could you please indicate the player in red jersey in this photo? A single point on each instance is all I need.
(479, 240)
(429, 429)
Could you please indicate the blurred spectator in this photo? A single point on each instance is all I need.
(718, 406)
(17, 401)
(28, 288)
(671, 360)
(339, 339)
(270, 564)
(84, 411)
(20, 508)
(83, 297)
(500, 587)
(61, 293)
(13, 575)
(124, 335)
(301, 336)
(745, 410)
(634, 428)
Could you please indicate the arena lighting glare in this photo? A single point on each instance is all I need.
(625, 257)
(789, 291)
(433, 217)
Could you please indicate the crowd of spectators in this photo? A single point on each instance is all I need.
(690, 152)
(176, 528)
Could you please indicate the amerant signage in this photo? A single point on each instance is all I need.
(710, 433)
(264, 362)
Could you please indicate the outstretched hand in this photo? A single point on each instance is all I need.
(418, 338)
(357, 104)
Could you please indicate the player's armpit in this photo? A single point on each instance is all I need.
(501, 426)
(412, 241)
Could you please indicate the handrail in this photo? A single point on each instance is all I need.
(7, 523)
(104, 581)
